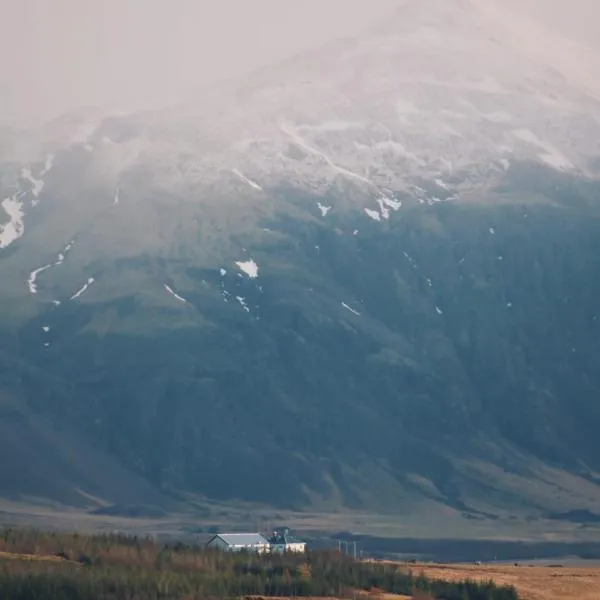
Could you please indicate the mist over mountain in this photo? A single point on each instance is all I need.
(365, 277)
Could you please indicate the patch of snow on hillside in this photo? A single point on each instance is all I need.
(14, 229)
(438, 310)
(442, 184)
(176, 296)
(62, 255)
(354, 312)
(37, 184)
(551, 155)
(373, 214)
(45, 328)
(82, 289)
(48, 164)
(385, 212)
(116, 198)
(245, 179)
(249, 267)
(556, 159)
(492, 231)
(393, 204)
(31, 280)
(88, 148)
(223, 272)
(410, 259)
(242, 302)
(300, 142)
(324, 209)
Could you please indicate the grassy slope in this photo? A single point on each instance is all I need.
(387, 408)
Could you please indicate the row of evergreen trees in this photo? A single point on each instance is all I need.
(47, 566)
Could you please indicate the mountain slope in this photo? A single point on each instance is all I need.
(44, 465)
(366, 276)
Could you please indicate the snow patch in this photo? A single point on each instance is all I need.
(45, 328)
(551, 155)
(300, 142)
(116, 198)
(242, 302)
(177, 296)
(223, 272)
(14, 229)
(88, 148)
(354, 312)
(393, 204)
(385, 212)
(324, 209)
(31, 280)
(410, 259)
(249, 267)
(438, 310)
(48, 164)
(492, 231)
(373, 214)
(37, 184)
(245, 179)
(82, 289)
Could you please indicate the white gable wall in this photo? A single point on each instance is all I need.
(281, 548)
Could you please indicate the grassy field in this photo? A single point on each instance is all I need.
(532, 582)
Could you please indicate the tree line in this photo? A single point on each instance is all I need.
(37, 565)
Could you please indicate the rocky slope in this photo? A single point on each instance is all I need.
(366, 276)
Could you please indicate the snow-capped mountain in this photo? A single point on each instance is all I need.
(370, 263)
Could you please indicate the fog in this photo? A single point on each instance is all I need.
(57, 55)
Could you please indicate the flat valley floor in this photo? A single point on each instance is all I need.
(537, 582)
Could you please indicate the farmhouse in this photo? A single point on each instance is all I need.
(282, 541)
(235, 542)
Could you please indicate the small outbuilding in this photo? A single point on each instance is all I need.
(237, 542)
(283, 541)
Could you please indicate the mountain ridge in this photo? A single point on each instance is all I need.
(370, 289)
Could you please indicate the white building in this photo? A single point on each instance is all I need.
(282, 541)
(236, 542)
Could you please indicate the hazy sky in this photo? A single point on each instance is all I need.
(59, 54)
(56, 55)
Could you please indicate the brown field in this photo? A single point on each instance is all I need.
(531, 582)
(359, 596)
(38, 557)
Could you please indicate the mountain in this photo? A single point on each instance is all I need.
(364, 277)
